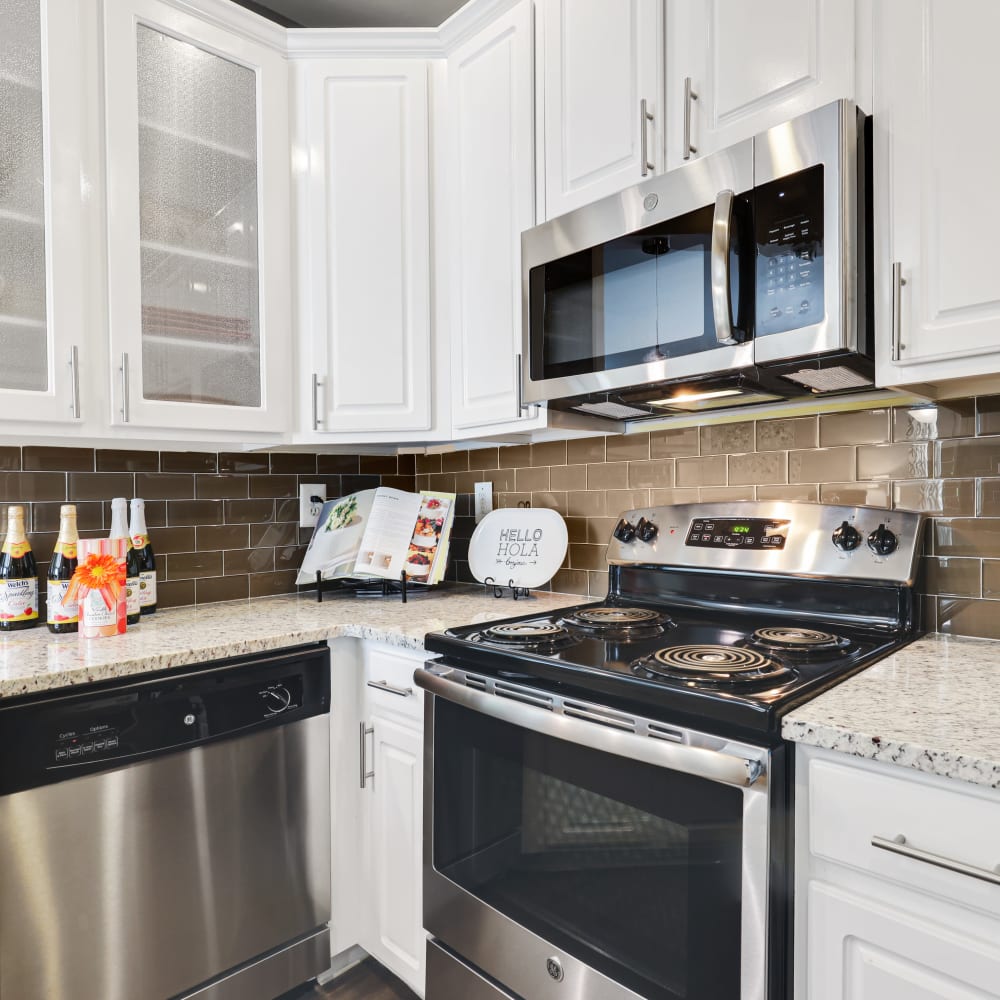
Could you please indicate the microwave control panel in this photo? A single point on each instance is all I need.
(789, 237)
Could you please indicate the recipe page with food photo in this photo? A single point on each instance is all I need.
(386, 541)
(428, 552)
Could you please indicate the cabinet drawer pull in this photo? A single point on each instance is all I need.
(644, 119)
(899, 845)
(390, 688)
(689, 96)
(898, 281)
(365, 773)
(125, 399)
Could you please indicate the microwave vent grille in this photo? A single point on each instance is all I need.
(829, 379)
(616, 411)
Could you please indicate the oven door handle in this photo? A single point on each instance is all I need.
(719, 765)
(722, 238)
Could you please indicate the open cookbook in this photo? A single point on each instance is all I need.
(381, 533)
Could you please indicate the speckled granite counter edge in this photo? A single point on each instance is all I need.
(869, 746)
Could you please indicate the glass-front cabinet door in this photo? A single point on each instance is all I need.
(40, 213)
(198, 203)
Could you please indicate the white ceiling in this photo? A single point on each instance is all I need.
(356, 13)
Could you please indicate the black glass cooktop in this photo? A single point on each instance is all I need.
(742, 668)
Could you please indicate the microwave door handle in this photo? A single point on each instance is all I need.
(722, 236)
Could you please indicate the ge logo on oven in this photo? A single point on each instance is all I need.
(554, 968)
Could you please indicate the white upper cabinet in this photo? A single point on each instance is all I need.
(491, 200)
(364, 244)
(42, 234)
(735, 68)
(601, 62)
(935, 164)
(198, 178)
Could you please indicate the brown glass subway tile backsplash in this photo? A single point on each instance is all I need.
(925, 458)
(224, 527)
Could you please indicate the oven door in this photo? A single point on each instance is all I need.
(571, 850)
(650, 285)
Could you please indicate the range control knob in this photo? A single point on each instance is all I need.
(646, 530)
(624, 531)
(882, 541)
(846, 538)
(276, 699)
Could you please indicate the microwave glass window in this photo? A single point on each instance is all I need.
(638, 299)
(789, 233)
(634, 869)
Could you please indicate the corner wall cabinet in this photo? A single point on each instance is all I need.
(938, 289)
(872, 923)
(364, 245)
(198, 235)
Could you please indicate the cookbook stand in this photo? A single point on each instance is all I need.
(375, 587)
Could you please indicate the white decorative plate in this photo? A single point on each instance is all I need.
(523, 545)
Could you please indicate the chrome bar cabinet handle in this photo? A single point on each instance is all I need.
(125, 389)
(898, 281)
(315, 401)
(900, 845)
(689, 96)
(722, 237)
(74, 381)
(521, 405)
(644, 119)
(366, 731)
(390, 688)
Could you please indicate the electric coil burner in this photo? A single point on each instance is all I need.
(625, 756)
(607, 619)
(733, 666)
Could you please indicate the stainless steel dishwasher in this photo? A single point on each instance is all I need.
(169, 837)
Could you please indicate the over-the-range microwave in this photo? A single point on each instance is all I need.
(740, 277)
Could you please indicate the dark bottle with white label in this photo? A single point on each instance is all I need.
(18, 577)
(144, 556)
(119, 529)
(62, 615)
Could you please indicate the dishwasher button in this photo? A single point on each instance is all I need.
(74, 751)
(112, 742)
(62, 754)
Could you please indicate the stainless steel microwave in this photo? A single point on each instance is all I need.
(738, 278)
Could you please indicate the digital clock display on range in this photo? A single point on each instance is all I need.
(759, 534)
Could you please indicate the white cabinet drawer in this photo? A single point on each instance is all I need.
(856, 815)
(388, 676)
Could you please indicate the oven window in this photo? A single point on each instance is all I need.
(639, 299)
(631, 868)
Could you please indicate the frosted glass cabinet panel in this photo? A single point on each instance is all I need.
(197, 224)
(197, 163)
(24, 341)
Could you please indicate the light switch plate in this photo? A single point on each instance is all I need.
(309, 511)
(484, 500)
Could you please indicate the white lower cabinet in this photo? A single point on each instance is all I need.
(377, 801)
(872, 923)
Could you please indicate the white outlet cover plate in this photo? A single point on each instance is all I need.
(308, 511)
(484, 500)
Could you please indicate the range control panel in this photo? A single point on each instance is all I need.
(731, 533)
(788, 538)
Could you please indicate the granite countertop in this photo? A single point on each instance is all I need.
(36, 660)
(933, 706)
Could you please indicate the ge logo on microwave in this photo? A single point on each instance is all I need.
(554, 968)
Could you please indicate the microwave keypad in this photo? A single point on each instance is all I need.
(790, 253)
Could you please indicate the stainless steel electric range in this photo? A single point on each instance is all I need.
(607, 808)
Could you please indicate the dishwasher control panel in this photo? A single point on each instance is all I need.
(56, 738)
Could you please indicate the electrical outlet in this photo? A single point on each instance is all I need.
(308, 508)
(484, 500)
